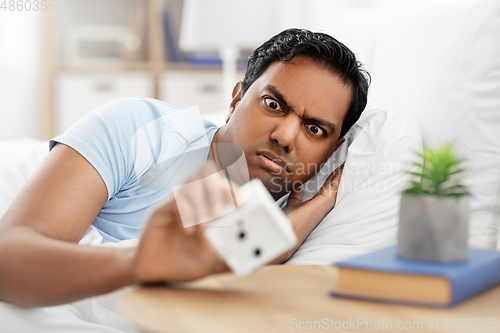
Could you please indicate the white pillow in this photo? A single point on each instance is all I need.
(441, 65)
(18, 160)
(366, 213)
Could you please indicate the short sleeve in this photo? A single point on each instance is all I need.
(103, 137)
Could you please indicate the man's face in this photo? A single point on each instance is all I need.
(288, 122)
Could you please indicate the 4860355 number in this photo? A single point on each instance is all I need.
(471, 323)
(28, 5)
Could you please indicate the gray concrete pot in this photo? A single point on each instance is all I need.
(433, 228)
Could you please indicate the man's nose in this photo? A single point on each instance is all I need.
(286, 131)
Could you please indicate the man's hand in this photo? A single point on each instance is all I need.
(173, 246)
(305, 216)
(325, 198)
(170, 251)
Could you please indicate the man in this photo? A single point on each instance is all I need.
(301, 93)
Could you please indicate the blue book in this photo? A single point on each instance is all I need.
(171, 44)
(383, 276)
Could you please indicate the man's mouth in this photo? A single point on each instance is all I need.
(273, 162)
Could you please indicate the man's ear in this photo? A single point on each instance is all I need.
(237, 96)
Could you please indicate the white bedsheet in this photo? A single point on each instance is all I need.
(99, 314)
(95, 314)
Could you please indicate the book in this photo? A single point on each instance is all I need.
(171, 44)
(383, 276)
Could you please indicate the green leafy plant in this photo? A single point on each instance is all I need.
(437, 173)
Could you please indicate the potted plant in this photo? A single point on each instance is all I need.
(434, 215)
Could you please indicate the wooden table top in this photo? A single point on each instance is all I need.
(285, 298)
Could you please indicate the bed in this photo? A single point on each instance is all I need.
(436, 75)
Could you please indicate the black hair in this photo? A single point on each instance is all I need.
(321, 48)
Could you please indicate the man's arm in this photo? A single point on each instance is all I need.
(40, 264)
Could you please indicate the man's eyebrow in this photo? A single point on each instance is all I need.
(321, 122)
(279, 96)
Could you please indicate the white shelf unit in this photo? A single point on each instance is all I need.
(76, 94)
(73, 90)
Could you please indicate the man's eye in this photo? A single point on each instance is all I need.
(316, 130)
(273, 104)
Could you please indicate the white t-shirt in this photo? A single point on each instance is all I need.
(139, 146)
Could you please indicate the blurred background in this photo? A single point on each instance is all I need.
(59, 59)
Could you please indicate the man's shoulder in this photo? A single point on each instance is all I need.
(146, 125)
(143, 111)
(129, 115)
(138, 107)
